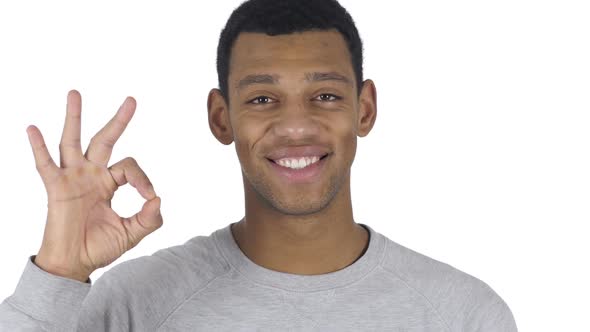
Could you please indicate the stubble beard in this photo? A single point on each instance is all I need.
(299, 203)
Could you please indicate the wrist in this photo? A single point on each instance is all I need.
(59, 269)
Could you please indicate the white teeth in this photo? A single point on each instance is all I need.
(297, 163)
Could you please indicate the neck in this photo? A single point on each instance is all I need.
(319, 243)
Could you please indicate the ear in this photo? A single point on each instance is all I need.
(219, 121)
(367, 108)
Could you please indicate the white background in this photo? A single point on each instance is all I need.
(479, 156)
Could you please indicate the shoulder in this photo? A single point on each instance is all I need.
(463, 301)
(183, 265)
(144, 290)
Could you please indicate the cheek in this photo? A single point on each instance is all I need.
(345, 130)
(246, 135)
(347, 139)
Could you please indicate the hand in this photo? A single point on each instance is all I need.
(82, 232)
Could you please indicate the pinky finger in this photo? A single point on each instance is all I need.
(43, 161)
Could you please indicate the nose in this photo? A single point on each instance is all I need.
(295, 123)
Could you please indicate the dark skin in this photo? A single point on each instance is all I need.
(303, 228)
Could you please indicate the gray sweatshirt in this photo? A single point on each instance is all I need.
(208, 284)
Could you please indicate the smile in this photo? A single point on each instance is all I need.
(297, 163)
(302, 169)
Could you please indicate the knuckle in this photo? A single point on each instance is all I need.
(106, 142)
(41, 166)
(69, 144)
(40, 147)
(158, 225)
(131, 161)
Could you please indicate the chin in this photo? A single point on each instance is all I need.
(300, 203)
(306, 200)
(298, 210)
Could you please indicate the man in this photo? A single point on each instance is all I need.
(292, 99)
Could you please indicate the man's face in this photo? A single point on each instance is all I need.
(304, 108)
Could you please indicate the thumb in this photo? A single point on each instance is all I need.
(145, 221)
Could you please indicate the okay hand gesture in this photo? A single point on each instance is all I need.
(82, 232)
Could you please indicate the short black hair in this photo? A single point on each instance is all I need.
(276, 17)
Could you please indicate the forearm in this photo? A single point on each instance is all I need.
(43, 302)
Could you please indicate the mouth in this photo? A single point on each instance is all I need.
(298, 163)
(299, 170)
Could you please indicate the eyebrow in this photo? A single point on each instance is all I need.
(309, 77)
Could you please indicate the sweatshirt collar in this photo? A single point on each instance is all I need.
(297, 282)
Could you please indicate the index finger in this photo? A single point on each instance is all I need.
(101, 145)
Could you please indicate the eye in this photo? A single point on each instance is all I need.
(259, 99)
(328, 95)
(265, 99)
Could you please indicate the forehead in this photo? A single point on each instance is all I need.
(256, 52)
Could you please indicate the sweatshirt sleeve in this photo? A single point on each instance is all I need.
(492, 314)
(43, 302)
